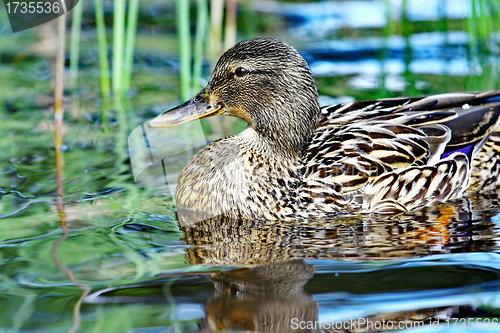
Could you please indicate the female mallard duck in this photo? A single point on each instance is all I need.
(297, 161)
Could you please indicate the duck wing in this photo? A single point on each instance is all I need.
(485, 173)
(394, 155)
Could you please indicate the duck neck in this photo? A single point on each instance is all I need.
(286, 136)
(268, 150)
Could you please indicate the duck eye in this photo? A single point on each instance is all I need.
(240, 71)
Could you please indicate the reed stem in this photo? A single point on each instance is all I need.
(184, 47)
(75, 43)
(133, 14)
(103, 60)
(58, 115)
(230, 33)
(201, 29)
(216, 16)
(77, 316)
(118, 49)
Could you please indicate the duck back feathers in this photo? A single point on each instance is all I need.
(395, 155)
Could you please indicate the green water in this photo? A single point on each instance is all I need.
(129, 266)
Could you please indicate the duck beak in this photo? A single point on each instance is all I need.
(200, 106)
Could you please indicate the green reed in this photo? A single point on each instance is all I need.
(201, 34)
(190, 75)
(481, 10)
(191, 54)
(133, 14)
(484, 20)
(75, 43)
(118, 49)
(123, 54)
(483, 27)
(103, 60)
(184, 37)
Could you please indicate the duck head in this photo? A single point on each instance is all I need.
(265, 82)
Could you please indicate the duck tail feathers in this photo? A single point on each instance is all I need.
(471, 130)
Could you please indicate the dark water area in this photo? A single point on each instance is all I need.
(129, 264)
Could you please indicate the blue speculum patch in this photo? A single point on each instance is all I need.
(466, 150)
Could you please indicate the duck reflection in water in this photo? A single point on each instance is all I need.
(264, 298)
(267, 293)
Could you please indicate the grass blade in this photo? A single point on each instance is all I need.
(133, 14)
(118, 49)
(103, 60)
(74, 53)
(201, 29)
(184, 37)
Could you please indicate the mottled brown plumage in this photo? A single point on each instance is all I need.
(297, 161)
